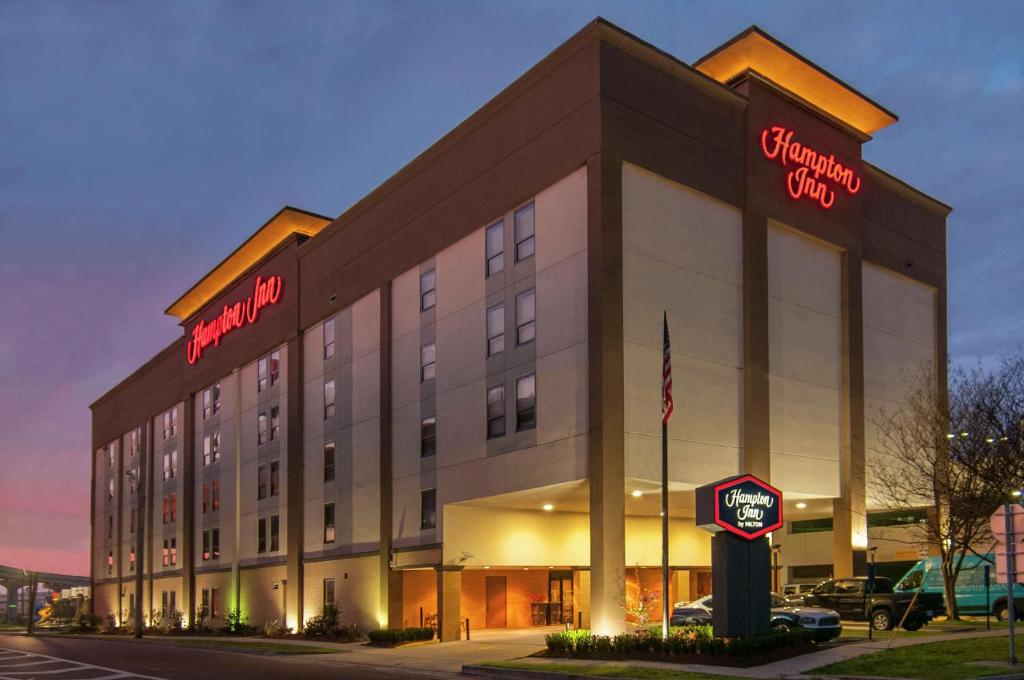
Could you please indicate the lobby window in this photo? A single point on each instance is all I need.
(261, 428)
(329, 523)
(328, 591)
(110, 563)
(526, 314)
(261, 535)
(329, 462)
(526, 402)
(496, 412)
(896, 518)
(275, 366)
(329, 338)
(329, 399)
(428, 292)
(494, 239)
(428, 437)
(495, 330)
(261, 482)
(275, 423)
(427, 362)
(275, 533)
(810, 526)
(524, 232)
(275, 478)
(261, 374)
(428, 509)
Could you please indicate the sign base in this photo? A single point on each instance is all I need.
(741, 583)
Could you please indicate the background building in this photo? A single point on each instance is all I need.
(445, 402)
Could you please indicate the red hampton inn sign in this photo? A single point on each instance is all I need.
(205, 333)
(815, 173)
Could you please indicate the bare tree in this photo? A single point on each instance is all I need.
(959, 457)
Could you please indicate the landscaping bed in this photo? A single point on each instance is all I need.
(397, 637)
(691, 644)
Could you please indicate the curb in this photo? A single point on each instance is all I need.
(522, 674)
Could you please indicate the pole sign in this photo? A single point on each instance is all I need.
(742, 505)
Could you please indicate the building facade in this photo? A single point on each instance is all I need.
(443, 405)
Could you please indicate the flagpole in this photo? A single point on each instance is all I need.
(666, 387)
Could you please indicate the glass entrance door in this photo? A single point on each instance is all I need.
(560, 596)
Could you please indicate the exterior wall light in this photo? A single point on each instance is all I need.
(548, 507)
(637, 493)
(801, 505)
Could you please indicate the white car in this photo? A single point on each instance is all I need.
(824, 622)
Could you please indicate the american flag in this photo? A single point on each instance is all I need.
(666, 378)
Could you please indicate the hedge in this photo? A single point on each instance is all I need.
(686, 641)
(394, 636)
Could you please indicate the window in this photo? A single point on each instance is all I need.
(428, 294)
(174, 551)
(329, 523)
(211, 602)
(110, 563)
(110, 526)
(167, 553)
(215, 544)
(524, 232)
(170, 423)
(329, 462)
(174, 422)
(428, 509)
(206, 545)
(171, 465)
(215, 494)
(168, 516)
(110, 491)
(261, 482)
(261, 374)
(261, 429)
(810, 526)
(261, 535)
(428, 437)
(496, 412)
(275, 478)
(329, 399)
(133, 445)
(275, 423)
(895, 518)
(275, 366)
(211, 400)
(526, 314)
(328, 338)
(206, 497)
(494, 244)
(168, 601)
(275, 526)
(211, 448)
(427, 362)
(526, 402)
(110, 456)
(495, 330)
(131, 560)
(328, 591)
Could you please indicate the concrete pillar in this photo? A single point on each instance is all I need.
(581, 598)
(449, 602)
(849, 510)
(607, 395)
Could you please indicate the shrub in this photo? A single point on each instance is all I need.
(349, 633)
(88, 623)
(686, 641)
(324, 625)
(385, 637)
(237, 624)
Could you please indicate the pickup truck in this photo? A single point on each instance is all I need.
(883, 608)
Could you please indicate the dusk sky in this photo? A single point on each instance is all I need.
(141, 142)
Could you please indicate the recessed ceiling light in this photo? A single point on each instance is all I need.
(637, 493)
(801, 505)
(548, 507)
(486, 567)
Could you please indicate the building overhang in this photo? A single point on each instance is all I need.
(283, 225)
(754, 51)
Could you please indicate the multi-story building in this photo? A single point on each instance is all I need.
(445, 403)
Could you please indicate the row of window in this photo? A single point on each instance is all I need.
(262, 524)
(268, 370)
(211, 401)
(274, 421)
(275, 480)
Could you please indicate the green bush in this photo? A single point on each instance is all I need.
(88, 623)
(393, 636)
(238, 624)
(686, 641)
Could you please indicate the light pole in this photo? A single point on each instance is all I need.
(869, 592)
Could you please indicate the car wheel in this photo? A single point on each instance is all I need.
(913, 624)
(1001, 612)
(881, 619)
(781, 626)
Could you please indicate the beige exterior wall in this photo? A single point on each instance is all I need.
(162, 488)
(899, 340)
(221, 580)
(805, 374)
(356, 582)
(226, 423)
(682, 253)
(261, 600)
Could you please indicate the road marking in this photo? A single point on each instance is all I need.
(5, 674)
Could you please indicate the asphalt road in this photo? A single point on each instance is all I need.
(37, 657)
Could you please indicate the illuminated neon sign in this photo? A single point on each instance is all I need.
(813, 167)
(205, 333)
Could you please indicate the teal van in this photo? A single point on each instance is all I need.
(970, 586)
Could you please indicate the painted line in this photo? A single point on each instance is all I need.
(114, 673)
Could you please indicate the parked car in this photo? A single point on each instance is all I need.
(824, 622)
(883, 608)
(970, 586)
(795, 592)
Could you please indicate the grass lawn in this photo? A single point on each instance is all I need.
(610, 671)
(936, 661)
(265, 648)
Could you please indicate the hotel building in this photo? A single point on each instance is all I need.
(445, 403)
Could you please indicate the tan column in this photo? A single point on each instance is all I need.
(607, 392)
(849, 510)
(295, 497)
(387, 614)
(756, 403)
(449, 602)
(186, 511)
(581, 598)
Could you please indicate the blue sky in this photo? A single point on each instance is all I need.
(140, 142)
